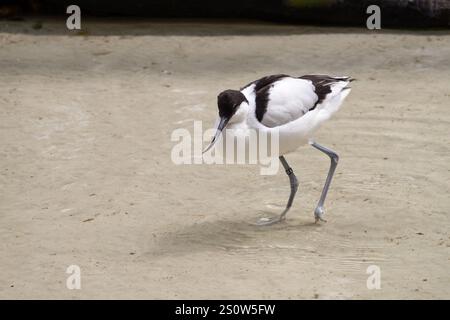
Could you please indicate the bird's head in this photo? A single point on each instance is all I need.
(233, 108)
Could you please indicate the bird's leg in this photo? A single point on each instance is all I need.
(294, 186)
(318, 212)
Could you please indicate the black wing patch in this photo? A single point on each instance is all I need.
(262, 87)
(265, 81)
(322, 85)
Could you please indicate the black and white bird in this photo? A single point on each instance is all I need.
(295, 107)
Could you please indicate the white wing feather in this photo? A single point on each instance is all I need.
(290, 98)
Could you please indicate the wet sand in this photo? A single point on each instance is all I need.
(86, 176)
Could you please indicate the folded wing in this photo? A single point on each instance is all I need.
(280, 99)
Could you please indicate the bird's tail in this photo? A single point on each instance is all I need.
(339, 91)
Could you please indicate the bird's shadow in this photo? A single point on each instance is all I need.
(226, 235)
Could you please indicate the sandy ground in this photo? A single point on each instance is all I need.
(87, 179)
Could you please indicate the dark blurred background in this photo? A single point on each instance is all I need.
(395, 13)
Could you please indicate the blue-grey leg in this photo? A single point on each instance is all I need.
(294, 186)
(318, 212)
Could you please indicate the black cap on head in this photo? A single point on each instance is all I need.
(228, 102)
